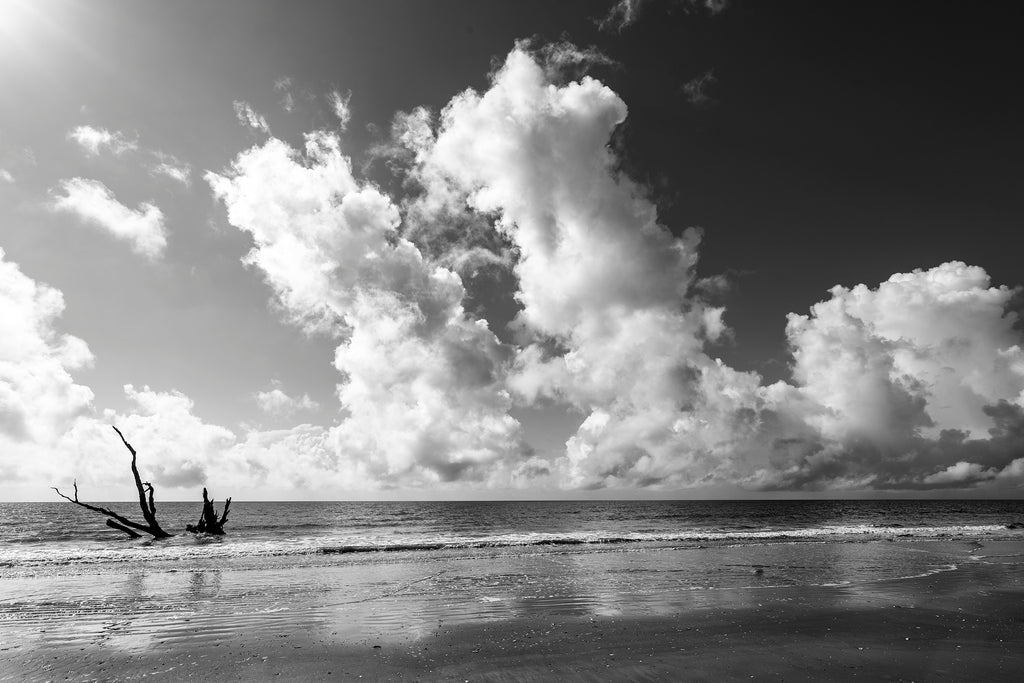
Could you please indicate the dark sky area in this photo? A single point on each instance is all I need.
(846, 142)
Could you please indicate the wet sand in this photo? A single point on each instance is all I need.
(960, 624)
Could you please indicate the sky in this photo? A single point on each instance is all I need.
(510, 250)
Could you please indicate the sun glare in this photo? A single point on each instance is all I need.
(37, 37)
(14, 14)
(28, 26)
(19, 23)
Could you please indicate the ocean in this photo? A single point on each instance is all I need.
(398, 571)
(57, 537)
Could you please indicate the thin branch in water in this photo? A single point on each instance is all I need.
(123, 523)
(146, 504)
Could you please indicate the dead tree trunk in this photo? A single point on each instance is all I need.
(144, 488)
(119, 522)
(209, 522)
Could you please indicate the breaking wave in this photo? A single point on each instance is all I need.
(187, 547)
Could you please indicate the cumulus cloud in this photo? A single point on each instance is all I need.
(421, 390)
(51, 434)
(926, 350)
(275, 401)
(960, 474)
(250, 118)
(603, 286)
(5, 176)
(38, 396)
(49, 429)
(435, 219)
(301, 458)
(95, 140)
(914, 384)
(179, 446)
(891, 387)
(178, 451)
(93, 202)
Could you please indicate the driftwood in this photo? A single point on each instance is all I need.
(119, 522)
(209, 522)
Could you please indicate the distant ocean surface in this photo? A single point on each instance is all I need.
(60, 538)
(399, 570)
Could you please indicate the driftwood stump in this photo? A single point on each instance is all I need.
(208, 522)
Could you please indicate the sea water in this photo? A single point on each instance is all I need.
(403, 567)
(60, 538)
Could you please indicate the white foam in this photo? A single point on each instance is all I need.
(184, 548)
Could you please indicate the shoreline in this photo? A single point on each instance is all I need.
(961, 623)
(186, 553)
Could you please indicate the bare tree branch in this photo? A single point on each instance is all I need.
(209, 521)
(114, 525)
(148, 507)
(125, 523)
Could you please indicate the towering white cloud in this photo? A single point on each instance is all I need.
(93, 202)
(603, 285)
(95, 140)
(925, 351)
(180, 447)
(892, 387)
(38, 396)
(177, 450)
(422, 393)
(917, 383)
(50, 432)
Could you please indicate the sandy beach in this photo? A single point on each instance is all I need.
(557, 615)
